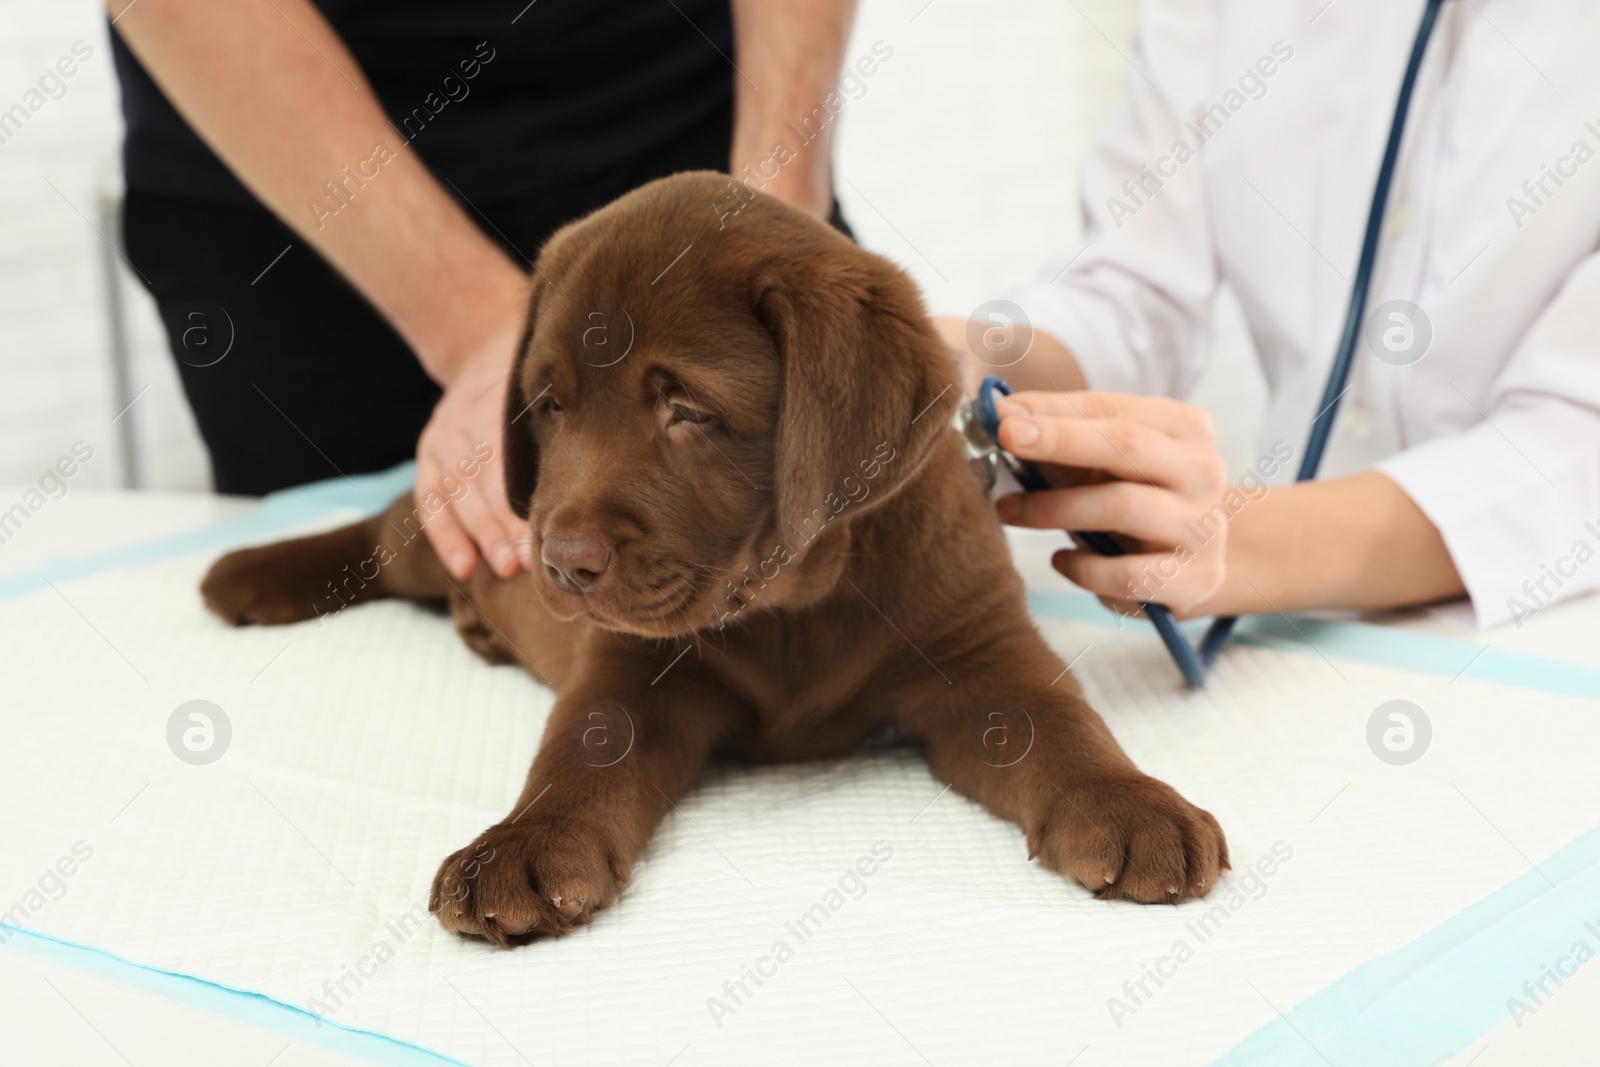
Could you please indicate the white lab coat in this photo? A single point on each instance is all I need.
(1493, 231)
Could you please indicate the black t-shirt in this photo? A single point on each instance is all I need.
(500, 98)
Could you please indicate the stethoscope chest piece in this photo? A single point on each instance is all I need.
(977, 426)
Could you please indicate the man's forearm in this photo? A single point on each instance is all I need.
(788, 54)
(275, 93)
(1353, 542)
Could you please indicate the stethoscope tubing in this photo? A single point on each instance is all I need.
(1344, 356)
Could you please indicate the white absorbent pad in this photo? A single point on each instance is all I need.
(365, 749)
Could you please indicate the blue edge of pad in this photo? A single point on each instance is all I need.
(1419, 1004)
(256, 1009)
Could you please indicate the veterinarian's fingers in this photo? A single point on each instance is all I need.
(1131, 508)
(1122, 606)
(1171, 417)
(1128, 450)
(450, 542)
(1154, 577)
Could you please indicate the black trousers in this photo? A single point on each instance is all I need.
(293, 377)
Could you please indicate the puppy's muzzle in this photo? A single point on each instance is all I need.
(575, 563)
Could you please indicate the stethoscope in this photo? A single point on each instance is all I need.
(978, 423)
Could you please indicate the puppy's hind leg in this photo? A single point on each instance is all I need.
(269, 585)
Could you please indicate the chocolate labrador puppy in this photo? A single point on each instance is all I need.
(758, 540)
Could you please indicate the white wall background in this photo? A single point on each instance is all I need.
(959, 161)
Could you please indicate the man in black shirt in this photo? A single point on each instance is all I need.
(335, 203)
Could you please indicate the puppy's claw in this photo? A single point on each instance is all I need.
(569, 909)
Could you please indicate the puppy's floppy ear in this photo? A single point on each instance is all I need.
(517, 441)
(521, 450)
(868, 386)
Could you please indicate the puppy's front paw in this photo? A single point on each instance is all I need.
(271, 585)
(536, 877)
(1130, 838)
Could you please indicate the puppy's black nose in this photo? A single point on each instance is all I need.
(575, 563)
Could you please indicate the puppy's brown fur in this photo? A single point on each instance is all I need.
(764, 544)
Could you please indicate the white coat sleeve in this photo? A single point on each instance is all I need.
(1517, 496)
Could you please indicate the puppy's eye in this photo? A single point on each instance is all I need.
(685, 413)
(549, 405)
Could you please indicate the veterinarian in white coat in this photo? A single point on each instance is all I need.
(1466, 453)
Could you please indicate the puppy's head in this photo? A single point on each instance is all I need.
(711, 388)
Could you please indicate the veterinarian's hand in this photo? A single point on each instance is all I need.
(1160, 492)
(459, 463)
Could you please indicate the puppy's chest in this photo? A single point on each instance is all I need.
(790, 670)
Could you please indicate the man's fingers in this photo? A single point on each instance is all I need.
(1127, 450)
(495, 538)
(1132, 508)
(1172, 417)
(491, 480)
(450, 542)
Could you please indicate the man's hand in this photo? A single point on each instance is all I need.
(280, 99)
(1168, 481)
(464, 435)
